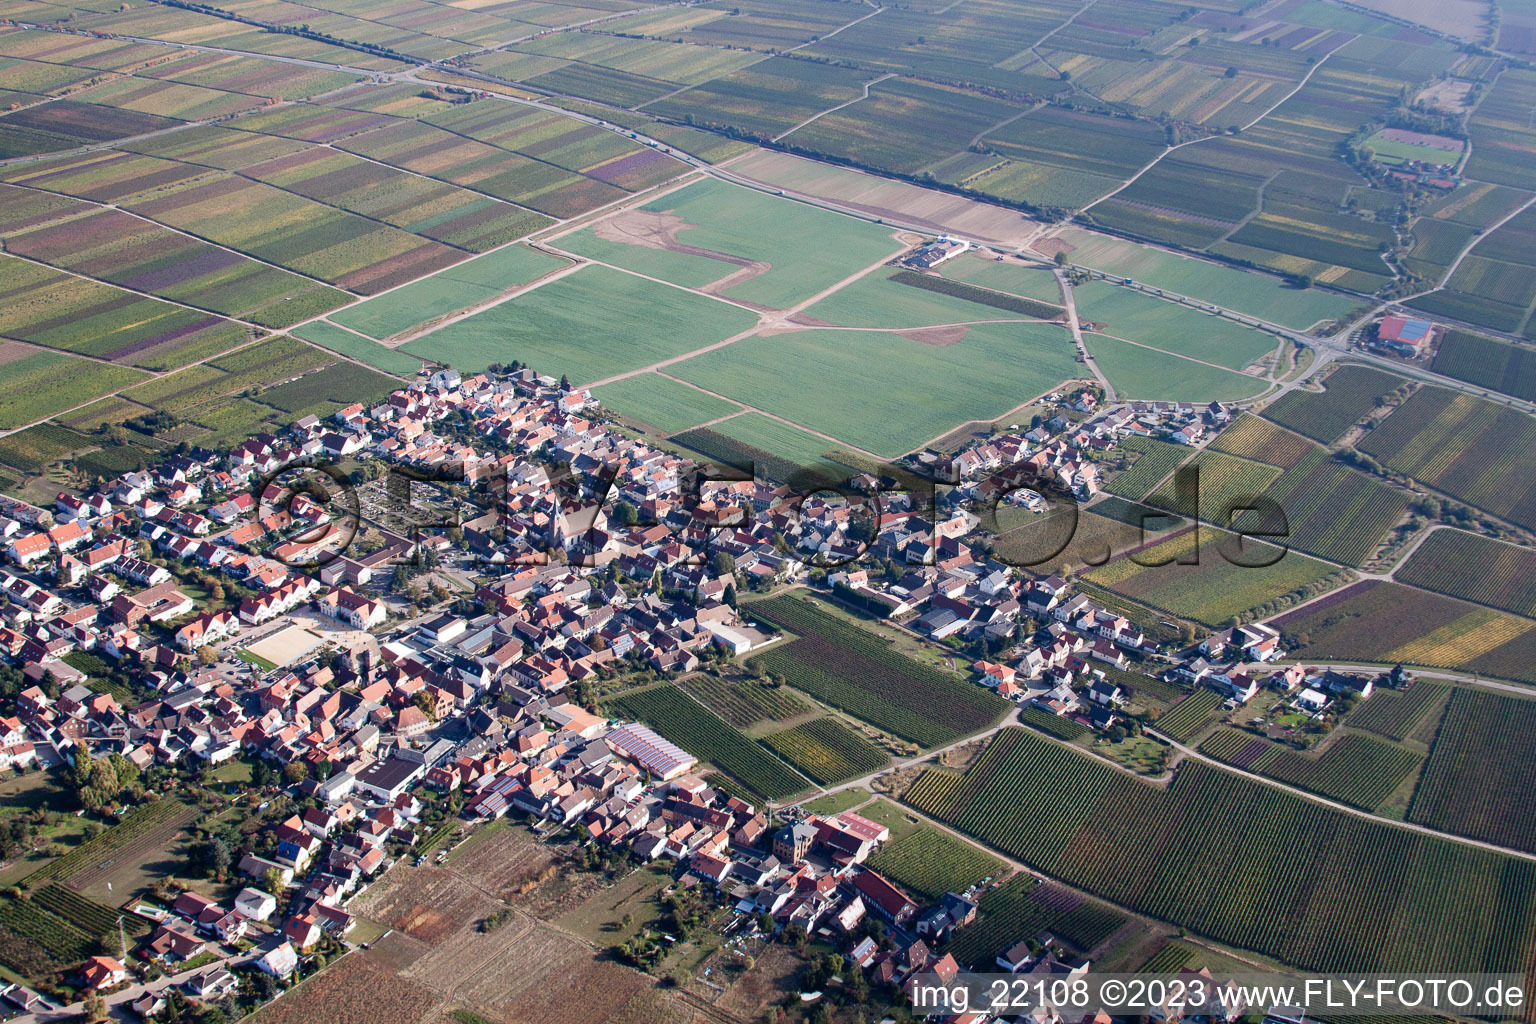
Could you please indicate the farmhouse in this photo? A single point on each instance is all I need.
(1404, 335)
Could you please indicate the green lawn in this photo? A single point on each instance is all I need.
(255, 659)
(477, 280)
(589, 325)
(882, 392)
(1132, 316)
(1153, 375)
(1258, 295)
(662, 402)
(806, 249)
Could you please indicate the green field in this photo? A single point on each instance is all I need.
(1190, 715)
(1477, 451)
(1255, 294)
(1474, 568)
(1216, 590)
(878, 300)
(1349, 393)
(590, 325)
(827, 751)
(806, 249)
(1022, 906)
(1355, 770)
(1151, 461)
(685, 722)
(1227, 485)
(1488, 363)
(1009, 277)
(475, 281)
(1389, 623)
(779, 439)
(929, 863)
(1370, 895)
(745, 702)
(883, 392)
(858, 671)
(662, 402)
(1393, 152)
(1155, 376)
(1132, 316)
(1397, 715)
(44, 383)
(348, 344)
(1479, 768)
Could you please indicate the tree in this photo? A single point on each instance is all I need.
(207, 656)
(295, 771)
(272, 881)
(723, 563)
(623, 514)
(95, 1008)
(1060, 259)
(424, 701)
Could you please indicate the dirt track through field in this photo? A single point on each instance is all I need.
(652, 229)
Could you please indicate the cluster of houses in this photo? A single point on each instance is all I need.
(477, 701)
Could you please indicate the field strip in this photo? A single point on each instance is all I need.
(1075, 15)
(409, 173)
(745, 406)
(1075, 325)
(555, 232)
(1192, 359)
(557, 251)
(132, 291)
(840, 106)
(1270, 110)
(976, 423)
(1451, 270)
(819, 39)
(226, 51)
(422, 330)
(718, 419)
(552, 30)
(96, 147)
(199, 238)
(1335, 805)
(752, 739)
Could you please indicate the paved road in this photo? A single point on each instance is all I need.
(117, 1002)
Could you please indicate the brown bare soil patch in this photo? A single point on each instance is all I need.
(503, 862)
(731, 280)
(424, 923)
(650, 1005)
(397, 950)
(463, 953)
(10, 351)
(426, 903)
(549, 976)
(939, 336)
(806, 320)
(1452, 95)
(771, 978)
(358, 990)
(658, 229)
(1050, 246)
(649, 229)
